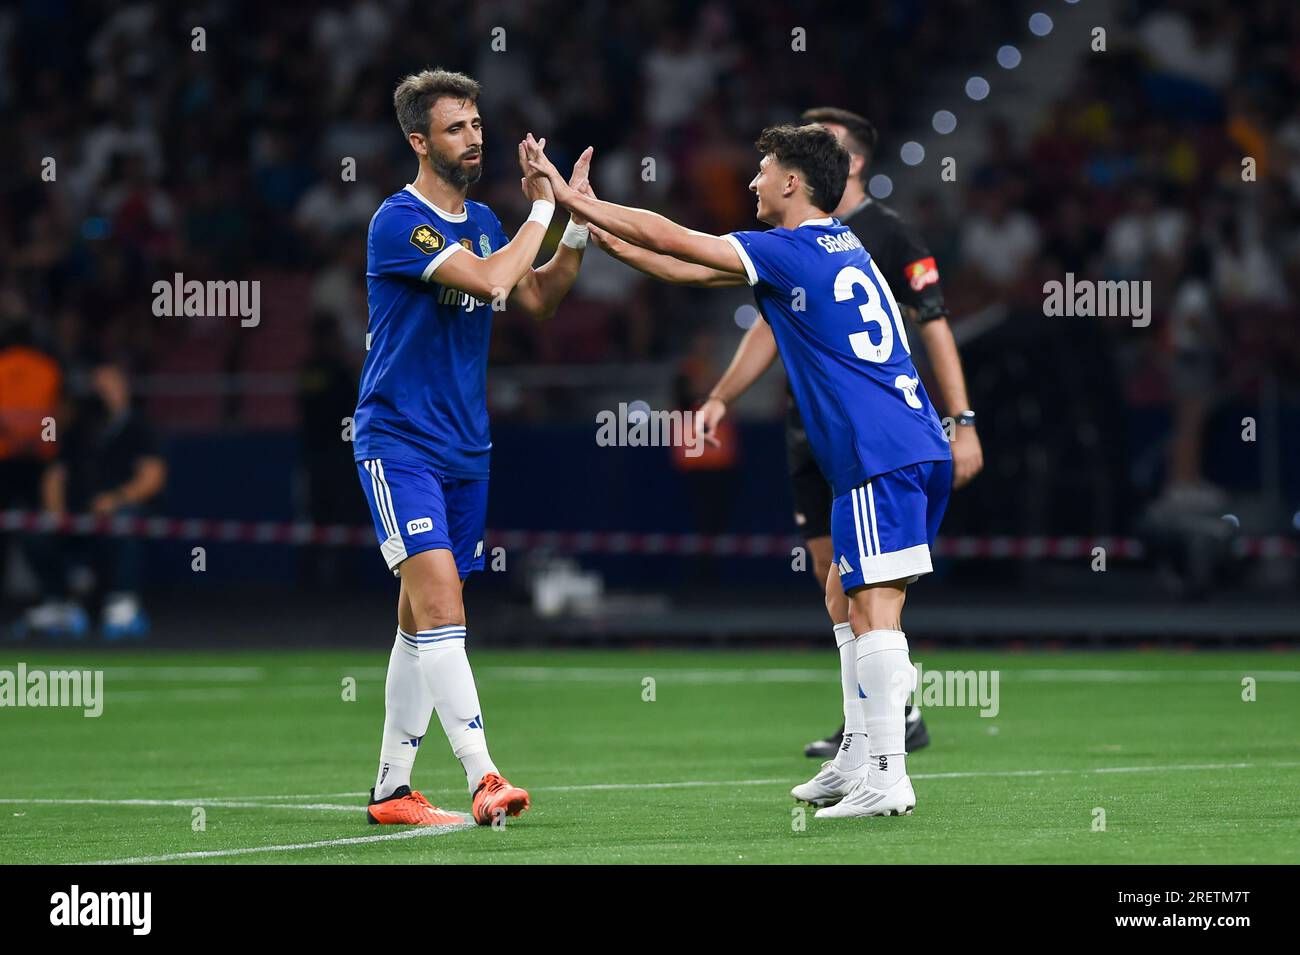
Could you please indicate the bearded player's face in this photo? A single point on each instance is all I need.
(455, 141)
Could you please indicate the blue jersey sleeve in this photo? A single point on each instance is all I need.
(766, 256)
(500, 240)
(403, 242)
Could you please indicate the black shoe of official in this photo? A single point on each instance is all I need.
(918, 737)
(825, 748)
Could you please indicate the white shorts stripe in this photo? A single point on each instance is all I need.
(873, 547)
(387, 501)
(862, 554)
(875, 530)
(379, 498)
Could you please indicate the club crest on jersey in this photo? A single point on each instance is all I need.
(427, 239)
(484, 246)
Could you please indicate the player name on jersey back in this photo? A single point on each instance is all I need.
(840, 242)
(845, 349)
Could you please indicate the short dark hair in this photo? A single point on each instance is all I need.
(813, 152)
(862, 135)
(417, 93)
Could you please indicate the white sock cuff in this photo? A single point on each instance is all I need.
(452, 635)
(406, 643)
(873, 641)
(843, 634)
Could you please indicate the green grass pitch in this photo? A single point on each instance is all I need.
(1163, 744)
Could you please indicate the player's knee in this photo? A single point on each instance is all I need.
(437, 610)
(860, 618)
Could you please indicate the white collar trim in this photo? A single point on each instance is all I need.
(826, 220)
(449, 216)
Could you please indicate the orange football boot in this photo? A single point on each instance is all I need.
(406, 808)
(495, 795)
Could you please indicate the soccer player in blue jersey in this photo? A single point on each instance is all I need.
(872, 428)
(437, 266)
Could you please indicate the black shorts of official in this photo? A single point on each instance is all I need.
(812, 495)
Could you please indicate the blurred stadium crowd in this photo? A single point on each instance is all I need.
(227, 163)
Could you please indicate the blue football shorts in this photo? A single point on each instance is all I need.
(883, 529)
(417, 509)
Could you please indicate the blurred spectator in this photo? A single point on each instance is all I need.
(30, 389)
(108, 465)
(334, 210)
(998, 243)
(1147, 240)
(1195, 341)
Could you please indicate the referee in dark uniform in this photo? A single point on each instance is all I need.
(913, 276)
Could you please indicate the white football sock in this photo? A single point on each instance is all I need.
(853, 750)
(408, 705)
(451, 682)
(888, 678)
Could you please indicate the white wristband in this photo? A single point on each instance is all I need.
(543, 209)
(575, 236)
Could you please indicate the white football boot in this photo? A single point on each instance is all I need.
(829, 786)
(898, 800)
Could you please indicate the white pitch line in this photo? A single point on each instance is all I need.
(414, 833)
(546, 674)
(217, 803)
(325, 691)
(221, 694)
(688, 784)
(177, 674)
(276, 801)
(1147, 676)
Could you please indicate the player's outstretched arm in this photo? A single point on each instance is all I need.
(541, 290)
(754, 355)
(499, 273)
(638, 226)
(663, 267)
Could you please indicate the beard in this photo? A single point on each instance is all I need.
(454, 171)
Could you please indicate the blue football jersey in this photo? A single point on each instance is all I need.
(423, 394)
(845, 350)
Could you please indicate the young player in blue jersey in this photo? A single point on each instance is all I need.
(437, 266)
(872, 428)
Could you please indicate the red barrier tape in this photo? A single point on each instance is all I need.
(588, 542)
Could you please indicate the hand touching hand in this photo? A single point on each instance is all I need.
(535, 186)
(579, 179)
(538, 166)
